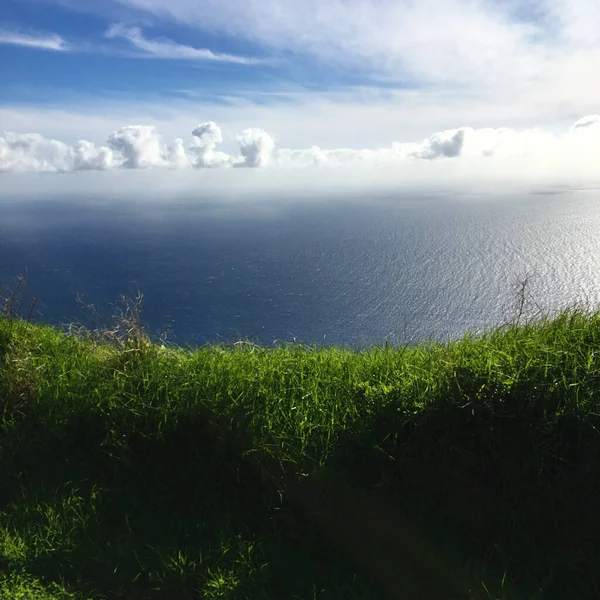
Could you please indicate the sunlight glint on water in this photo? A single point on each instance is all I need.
(341, 271)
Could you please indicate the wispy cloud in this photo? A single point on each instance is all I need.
(430, 40)
(479, 42)
(41, 41)
(168, 49)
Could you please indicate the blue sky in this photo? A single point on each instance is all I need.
(324, 78)
(54, 52)
(61, 53)
(92, 64)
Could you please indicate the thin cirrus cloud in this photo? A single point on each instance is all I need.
(147, 48)
(538, 54)
(168, 49)
(41, 41)
(431, 40)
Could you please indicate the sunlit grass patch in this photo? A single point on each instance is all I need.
(20, 586)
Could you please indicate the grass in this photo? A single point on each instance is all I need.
(463, 470)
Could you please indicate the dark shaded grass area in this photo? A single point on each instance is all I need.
(460, 470)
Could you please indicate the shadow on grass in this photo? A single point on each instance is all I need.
(176, 515)
(457, 495)
(499, 497)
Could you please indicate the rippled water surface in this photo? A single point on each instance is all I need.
(350, 271)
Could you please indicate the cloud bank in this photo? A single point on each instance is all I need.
(139, 147)
(132, 147)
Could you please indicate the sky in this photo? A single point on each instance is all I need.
(335, 91)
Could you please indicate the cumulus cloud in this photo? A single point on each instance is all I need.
(139, 145)
(206, 137)
(136, 147)
(87, 157)
(41, 41)
(256, 147)
(168, 49)
(177, 157)
(446, 143)
(34, 152)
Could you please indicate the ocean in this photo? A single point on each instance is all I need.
(348, 270)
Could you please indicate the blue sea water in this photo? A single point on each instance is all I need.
(352, 271)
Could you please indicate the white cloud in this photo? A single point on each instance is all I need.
(462, 155)
(32, 152)
(206, 137)
(463, 145)
(428, 38)
(431, 40)
(87, 157)
(445, 143)
(168, 49)
(578, 21)
(140, 146)
(177, 157)
(40, 41)
(256, 147)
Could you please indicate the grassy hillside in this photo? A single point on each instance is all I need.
(466, 470)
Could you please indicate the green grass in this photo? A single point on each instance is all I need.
(460, 470)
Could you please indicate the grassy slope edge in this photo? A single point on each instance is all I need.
(460, 470)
